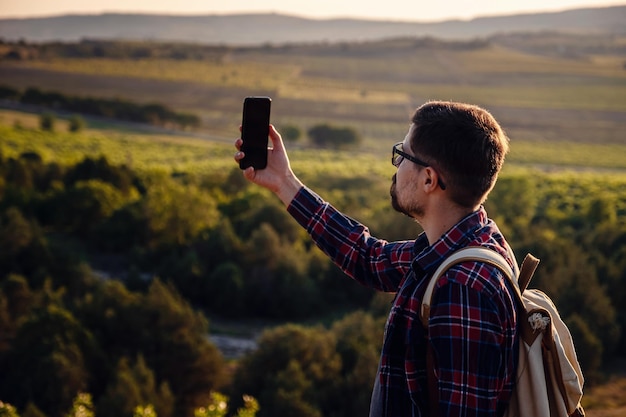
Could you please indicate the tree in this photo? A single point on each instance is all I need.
(358, 343)
(186, 120)
(225, 290)
(568, 275)
(33, 96)
(47, 362)
(220, 246)
(602, 210)
(177, 213)
(124, 230)
(272, 214)
(513, 201)
(162, 328)
(16, 233)
(76, 123)
(290, 133)
(264, 247)
(176, 347)
(87, 204)
(19, 295)
(292, 387)
(18, 173)
(288, 277)
(293, 371)
(589, 348)
(9, 93)
(326, 135)
(133, 386)
(47, 122)
(120, 177)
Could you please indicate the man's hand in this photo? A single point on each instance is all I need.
(277, 176)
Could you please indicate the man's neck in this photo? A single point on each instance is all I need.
(441, 218)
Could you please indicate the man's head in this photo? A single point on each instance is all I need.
(465, 146)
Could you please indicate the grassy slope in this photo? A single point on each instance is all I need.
(145, 148)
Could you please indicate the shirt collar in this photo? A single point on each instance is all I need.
(428, 257)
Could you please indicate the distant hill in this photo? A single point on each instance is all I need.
(254, 29)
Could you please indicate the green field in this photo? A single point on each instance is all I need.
(565, 89)
(194, 153)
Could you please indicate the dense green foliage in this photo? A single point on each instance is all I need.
(115, 246)
(153, 113)
(311, 371)
(107, 273)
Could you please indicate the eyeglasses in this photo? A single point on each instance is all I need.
(398, 155)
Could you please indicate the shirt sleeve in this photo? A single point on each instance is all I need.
(373, 262)
(468, 330)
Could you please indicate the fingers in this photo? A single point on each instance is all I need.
(277, 144)
(273, 134)
(238, 155)
(249, 173)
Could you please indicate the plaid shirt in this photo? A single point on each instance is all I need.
(473, 321)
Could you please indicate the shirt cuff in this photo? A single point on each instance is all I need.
(304, 206)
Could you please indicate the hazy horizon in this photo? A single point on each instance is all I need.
(398, 10)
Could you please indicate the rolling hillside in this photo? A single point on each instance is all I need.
(254, 29)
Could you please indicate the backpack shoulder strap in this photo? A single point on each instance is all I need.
(529, 265)
(480, 254)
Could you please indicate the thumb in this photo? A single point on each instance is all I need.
(277, 140)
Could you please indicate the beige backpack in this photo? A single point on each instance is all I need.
(549, 379)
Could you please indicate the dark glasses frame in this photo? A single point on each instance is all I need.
(398, 155)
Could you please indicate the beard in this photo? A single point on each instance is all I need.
(394, 198)
(414, 211)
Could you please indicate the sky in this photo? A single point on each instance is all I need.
(401, 10)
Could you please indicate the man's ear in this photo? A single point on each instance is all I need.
(430, 179)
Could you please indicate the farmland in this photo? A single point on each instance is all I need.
(573, 96)
(181, 212)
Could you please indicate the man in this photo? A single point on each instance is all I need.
(446, 166)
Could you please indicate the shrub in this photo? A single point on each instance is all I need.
(77, 123)
(335, 137)
(290, 133)
(47, 121)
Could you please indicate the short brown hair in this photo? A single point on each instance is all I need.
(464, 143)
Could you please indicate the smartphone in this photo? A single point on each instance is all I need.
(255, 129)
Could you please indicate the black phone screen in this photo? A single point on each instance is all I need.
(254, 131)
